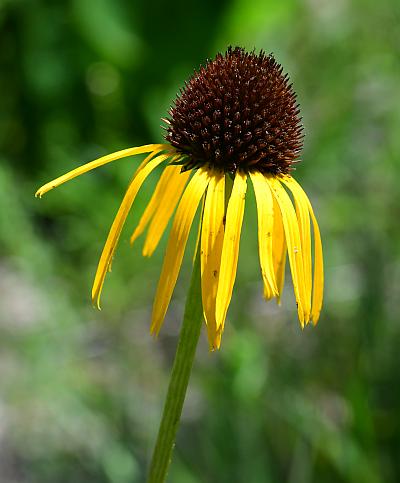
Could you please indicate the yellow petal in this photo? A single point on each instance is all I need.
(318, 287)
(198, 231)
(176, 246)
(305, 236)
(212, 236)
(278, 251)
(230, 248)
(265, 213)
(148, 148)
(292, 234)
(118, 223)
(162, 185)
(167, 204)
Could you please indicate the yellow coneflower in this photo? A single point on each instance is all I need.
(238, 117)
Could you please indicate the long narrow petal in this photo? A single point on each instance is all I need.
(162, 185)
(318, 287)
(212, 237)
(118, 223)
(165, 210)
(176, 246)
(279, 251)
(198, 236)
(265, 213)
(230, 249)
(148, 148)
(305, 234)
(292, 234)
(142, 164)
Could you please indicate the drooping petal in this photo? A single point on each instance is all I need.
(279, 251)
(118, 223)
(305, 236)
(292, 234)
(230, 248)
(176, 246)
(148, 148)
(318, 287)
(159, 192)
(198, 236)
(167, 204)
(212, 236)
(265, 214)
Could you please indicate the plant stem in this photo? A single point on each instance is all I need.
(180, 375)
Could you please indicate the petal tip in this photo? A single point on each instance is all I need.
(96, 304)
(315, 320)
(154, 330)
(96, 299)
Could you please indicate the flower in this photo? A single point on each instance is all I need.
(236, 118)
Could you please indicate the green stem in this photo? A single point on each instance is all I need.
(180, 375)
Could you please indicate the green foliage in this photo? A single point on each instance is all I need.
(82, 390)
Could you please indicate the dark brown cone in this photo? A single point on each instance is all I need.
(237, 112)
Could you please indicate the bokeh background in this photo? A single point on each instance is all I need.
(81, 391)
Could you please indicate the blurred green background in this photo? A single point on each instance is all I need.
(81, 391)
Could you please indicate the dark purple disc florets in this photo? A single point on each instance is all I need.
(238, 112)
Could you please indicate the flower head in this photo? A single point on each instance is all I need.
(237, 117)
(238, 112)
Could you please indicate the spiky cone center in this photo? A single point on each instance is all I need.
(238, 112)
